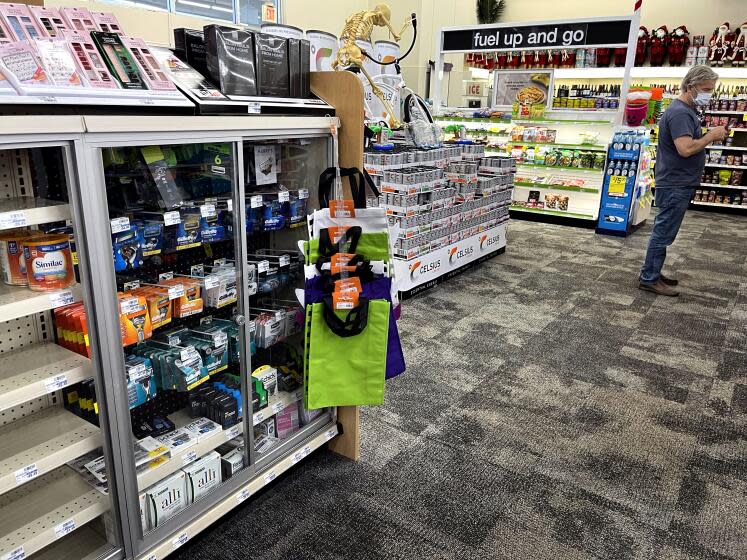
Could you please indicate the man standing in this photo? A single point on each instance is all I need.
(680, 159)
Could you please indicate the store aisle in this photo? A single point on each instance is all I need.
(551, 411)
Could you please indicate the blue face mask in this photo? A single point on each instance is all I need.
(702, 98)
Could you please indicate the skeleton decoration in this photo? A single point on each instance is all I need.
(359, 27)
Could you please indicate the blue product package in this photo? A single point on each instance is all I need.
(141, 382)
(127, 248)
(151, 234)
(273, 218)
(296, 211)
(186, 233)
(212, 229)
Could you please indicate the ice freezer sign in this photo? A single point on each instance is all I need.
(612, 33)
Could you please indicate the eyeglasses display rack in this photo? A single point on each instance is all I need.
(161, 376)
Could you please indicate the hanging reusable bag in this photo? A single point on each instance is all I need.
(345, 354)
(370, 246)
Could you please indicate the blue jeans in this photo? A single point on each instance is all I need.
(672, 204)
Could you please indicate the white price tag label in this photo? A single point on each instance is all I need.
(172, 218)
(233, 432)
(165, 276)
(243, 496)
(258, 417)
(188, 353)
(229, 205)
(13, 219)
(278, 407)
(253, 108)
(284, 196)
(297, 456)
(64, 528)
(59, 299)
(270, 476)
(306, 451)
(55, 383)
(211, 282)
(179, 541)
(152, 557)
(285, 260)
(189, 457)
(298, 393)
(344, 305)
(303, 194)
(120, 224)
(220, 338)
(207, 210)
(256, 201)
(329, 434)
(129, 286)
(15, 554)
(263, 266)
(137, 372)
(176, 291)
(29, 472)
(129, 305)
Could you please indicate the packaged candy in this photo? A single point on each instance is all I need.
(724, 176)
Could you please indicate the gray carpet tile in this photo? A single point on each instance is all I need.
(550, 411)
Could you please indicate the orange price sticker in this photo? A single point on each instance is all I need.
(337, 232)
(341, 208)
(344, 300)
(339, 263)
(352, 285)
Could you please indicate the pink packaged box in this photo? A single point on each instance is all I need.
(149, 67)
(50, 19)
(287, 421)
(20, 65)
(59, 62)
(89, 60)
(5, 36)
(79, 19)
(107, 22)
(20, 22)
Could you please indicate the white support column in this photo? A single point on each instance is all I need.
(438, 74)
(629, 60)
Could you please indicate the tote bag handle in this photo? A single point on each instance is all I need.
(353, 325)
(358, 182)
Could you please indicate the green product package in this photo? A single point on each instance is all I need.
(345, 370)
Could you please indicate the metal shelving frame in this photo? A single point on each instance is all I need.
(109, 131)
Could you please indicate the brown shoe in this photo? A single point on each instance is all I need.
(668, 281)
(659, 288)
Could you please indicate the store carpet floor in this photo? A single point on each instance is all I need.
(551, 411)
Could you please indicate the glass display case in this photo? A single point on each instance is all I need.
(57, 491)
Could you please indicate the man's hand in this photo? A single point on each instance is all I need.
(717, 134)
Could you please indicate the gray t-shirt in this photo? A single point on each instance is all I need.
(673, 170)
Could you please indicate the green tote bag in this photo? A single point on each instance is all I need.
(346, 354)
(371, 246)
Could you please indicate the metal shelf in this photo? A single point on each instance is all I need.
(40, 369)
(26, 211)
(717, 186)
(557, 187)
(716, 112)
(657, 72)
(559, 168)
(594, 147)
(552, 213)
(724, 166)
(19, 301)
(295, 455)
(45, 510)
(721, 205)
(721, 147)
(207, 444)
(41, 442)
(83, 544)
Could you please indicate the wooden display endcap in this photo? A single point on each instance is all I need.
(344, 91)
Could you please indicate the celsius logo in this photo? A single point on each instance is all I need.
(417, 269)
(487, 242)
(455, 253)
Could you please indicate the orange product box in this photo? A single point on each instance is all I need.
(158, 302)
(191, 302)
(61, 324)
(78, 319)
(134, 320)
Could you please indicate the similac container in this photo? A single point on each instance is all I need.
(12, 260)
(49, 262)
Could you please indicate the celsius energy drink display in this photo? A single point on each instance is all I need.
(50, 19)
(79, 19)
(119, 60)
(148, 65)
(19, 21)
(89, 60)
(107, 22)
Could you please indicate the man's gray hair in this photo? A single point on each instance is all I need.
(697, 75)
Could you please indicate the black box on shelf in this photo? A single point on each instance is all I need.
(305, 69)
(118, 59)
(189, 46)
(230, 59)
(294, 67)
(272, 65)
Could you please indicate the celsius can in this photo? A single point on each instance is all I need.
(11, 257)
(49, 262)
